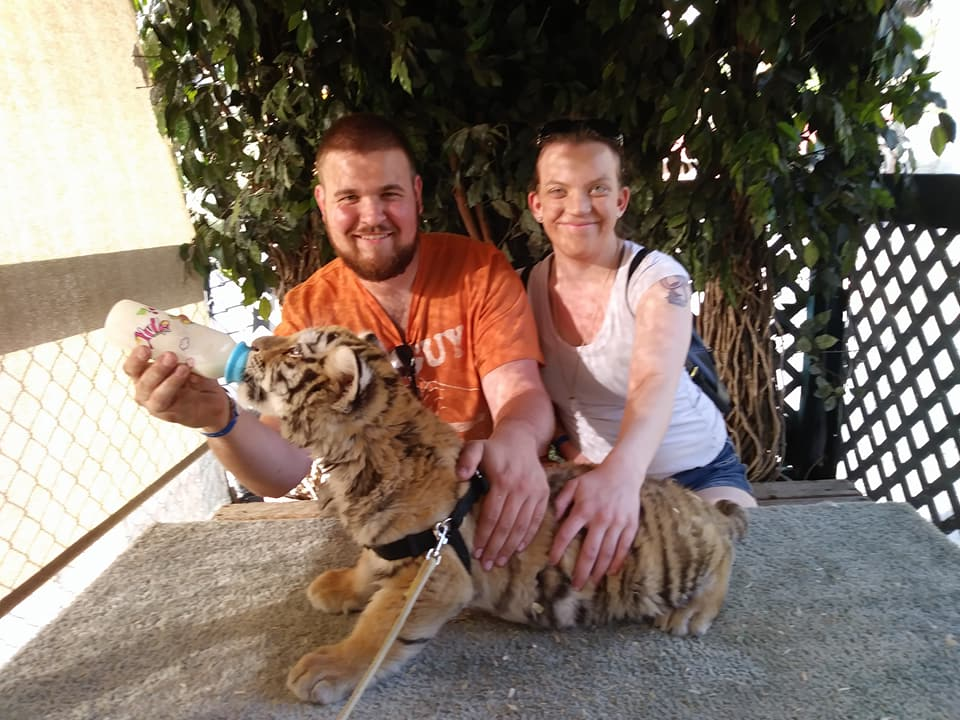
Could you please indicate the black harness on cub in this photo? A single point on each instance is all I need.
(419, 543)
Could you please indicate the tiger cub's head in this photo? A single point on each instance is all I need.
(315, 378)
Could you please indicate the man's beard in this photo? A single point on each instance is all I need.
(380, 270)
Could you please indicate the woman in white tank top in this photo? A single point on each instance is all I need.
(615, 349)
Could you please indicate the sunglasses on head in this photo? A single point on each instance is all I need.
(590, 127)
(401, 358)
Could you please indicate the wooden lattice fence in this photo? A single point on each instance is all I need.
(896, 434)
(901, 427)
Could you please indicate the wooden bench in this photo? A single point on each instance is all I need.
(767, 493)
(795, 492)
(272, 510)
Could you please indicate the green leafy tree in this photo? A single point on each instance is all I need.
(750, 125)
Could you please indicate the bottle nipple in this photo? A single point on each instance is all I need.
(236, 363)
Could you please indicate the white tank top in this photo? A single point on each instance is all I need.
(697, 430)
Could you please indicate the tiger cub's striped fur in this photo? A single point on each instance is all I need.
(390, 464)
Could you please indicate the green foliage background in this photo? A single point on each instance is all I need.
(247, 88)
(785, 108)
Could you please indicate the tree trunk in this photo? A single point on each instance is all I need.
(742, 342)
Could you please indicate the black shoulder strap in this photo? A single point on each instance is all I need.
(635, 263)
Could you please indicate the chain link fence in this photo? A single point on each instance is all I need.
(74, 447)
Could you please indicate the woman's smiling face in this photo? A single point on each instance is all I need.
(578, 196)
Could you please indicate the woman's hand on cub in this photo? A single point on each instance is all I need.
(171, 392)
(517, 500)
(609, 509)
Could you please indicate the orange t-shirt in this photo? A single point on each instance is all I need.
(468, 315)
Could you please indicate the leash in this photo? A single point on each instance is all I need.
(430, 562)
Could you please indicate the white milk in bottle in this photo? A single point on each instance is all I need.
(207, 351)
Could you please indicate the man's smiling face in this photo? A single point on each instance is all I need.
(371, 205)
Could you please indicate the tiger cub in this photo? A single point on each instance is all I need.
(389, 467)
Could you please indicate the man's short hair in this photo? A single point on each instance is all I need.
(363, 132)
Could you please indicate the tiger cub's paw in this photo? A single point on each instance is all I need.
(322, 677)
(333, 592)
(685, 621)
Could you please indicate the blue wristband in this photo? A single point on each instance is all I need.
(234, 414)
(560, 440)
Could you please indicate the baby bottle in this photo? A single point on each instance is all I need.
(207, 351)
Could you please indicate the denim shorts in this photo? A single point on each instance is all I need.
(725, 470)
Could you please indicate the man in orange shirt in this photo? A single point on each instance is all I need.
(452, 311)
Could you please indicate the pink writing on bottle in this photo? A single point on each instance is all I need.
(154, 327)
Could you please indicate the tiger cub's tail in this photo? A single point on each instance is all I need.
(736, 518)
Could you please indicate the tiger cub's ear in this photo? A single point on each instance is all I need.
(346, 368)
(371, 337)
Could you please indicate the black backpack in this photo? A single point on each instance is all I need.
(700, 364)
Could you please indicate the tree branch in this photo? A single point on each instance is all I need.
(481, 212)
(465, 213)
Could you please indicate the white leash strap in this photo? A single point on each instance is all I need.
(430, 563)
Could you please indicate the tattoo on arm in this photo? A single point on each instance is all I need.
(678, 290)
